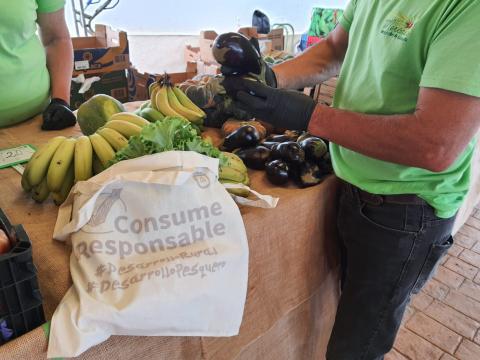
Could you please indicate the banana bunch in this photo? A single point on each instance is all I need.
(62, 162)
(51, 170)
(169, 100)
(233, 171)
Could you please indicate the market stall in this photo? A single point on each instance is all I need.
(293, 273)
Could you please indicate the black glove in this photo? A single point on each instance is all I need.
(58, 116)
(288, 109)
(266, 74)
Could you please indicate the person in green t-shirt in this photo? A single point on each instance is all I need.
(35, 72)
(402, 134)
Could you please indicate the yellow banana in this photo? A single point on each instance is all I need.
(41, 191)
(114, 138)
(40, 161)
(185, 101)
(153, 90)
(180, 109)
(60, 196)
(163, 104)
(131, 118)
(125, 128)
(83, 159)
(60, 163)
(102, 149)
(25, 184)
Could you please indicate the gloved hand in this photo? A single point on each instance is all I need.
(58, 116)
(288, 109)
(266, 74)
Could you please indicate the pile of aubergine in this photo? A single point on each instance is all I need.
(302, 158)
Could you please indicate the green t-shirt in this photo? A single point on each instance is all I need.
(24, 78)
(396, 47)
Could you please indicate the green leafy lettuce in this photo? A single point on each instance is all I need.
(171, 133)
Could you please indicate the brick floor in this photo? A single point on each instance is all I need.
(443, 320)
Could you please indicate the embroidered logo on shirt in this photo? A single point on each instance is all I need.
(398, 27)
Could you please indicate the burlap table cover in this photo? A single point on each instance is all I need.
(293, 273)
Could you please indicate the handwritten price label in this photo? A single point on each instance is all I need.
(16, 155)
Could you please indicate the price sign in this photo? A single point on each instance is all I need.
(16, 155)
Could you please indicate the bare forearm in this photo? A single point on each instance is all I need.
(317, 64)
(401, 139)
(60, 65)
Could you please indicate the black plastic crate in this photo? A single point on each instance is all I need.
(21, 308)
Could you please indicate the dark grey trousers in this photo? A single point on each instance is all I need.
(390, 247)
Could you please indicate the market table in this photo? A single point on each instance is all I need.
(293, 273)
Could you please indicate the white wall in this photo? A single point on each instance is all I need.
(157, 28)
(189, 17)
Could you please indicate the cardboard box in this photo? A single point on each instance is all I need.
(105, 52)
(138, 82)
(275, 37)
(266, 46)
(192, 54)
(206, 43)
(249, 31)
(205, 68)
(112, 83)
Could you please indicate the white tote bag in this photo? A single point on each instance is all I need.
(158, 248)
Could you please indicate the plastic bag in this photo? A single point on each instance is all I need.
(261, 22)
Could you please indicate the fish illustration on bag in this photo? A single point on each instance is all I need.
(101, 212)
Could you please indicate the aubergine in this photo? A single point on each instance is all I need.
(307, 174)
(287, 136)
(255, 158)
(269, 144)
(244, 137)
(305, 135)
(278, 138)
(314, 148)
(277, 172)
(326, 164)
(235, 51)
(289, 151)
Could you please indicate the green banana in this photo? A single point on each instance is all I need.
(238, 192)
(146, 104)
(231, 174)
(232, 160)
(97, 165)
(25, 184)
(151, 114)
